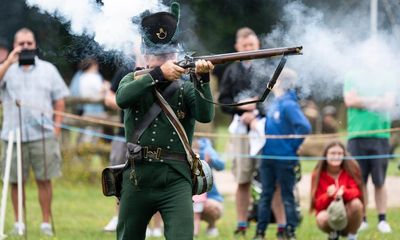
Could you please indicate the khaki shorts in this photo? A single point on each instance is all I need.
(243, 167)
(33, 156)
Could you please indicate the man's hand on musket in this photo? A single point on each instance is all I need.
(171, 71)
(203, 66)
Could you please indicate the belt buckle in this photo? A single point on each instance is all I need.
(152, 154)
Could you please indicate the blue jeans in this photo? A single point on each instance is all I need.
(273, 172)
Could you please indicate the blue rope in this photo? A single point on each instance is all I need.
(226, 154)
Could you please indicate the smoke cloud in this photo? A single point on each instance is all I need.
(109, 24)
(338, 50)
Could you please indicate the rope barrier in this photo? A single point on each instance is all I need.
(212, 135)
(215, 135)
(305, 158)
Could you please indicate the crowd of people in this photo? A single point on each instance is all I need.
(159, 184)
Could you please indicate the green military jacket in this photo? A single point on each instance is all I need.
(135, 97)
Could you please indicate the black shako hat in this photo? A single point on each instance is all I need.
(159, 31)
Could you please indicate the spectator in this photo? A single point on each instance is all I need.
(236, 86)
(368, 105)
(92, 87)
(337, 178)
(198, 208)
(209, 206)
(284, 117)
(329, 120)
(41, 86)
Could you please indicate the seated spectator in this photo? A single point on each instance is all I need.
(198, 209)
(208, 207)
(337, 178)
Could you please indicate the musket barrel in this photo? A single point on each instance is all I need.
(250, 55)
(238, 56)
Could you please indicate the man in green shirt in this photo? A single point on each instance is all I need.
(161, 182)
(368, 102)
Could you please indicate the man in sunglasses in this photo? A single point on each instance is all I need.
(39, 88)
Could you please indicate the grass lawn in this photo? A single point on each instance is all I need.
(80, 211)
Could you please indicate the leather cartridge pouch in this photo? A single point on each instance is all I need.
(111, 177)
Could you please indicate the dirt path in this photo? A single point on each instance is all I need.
(226, 185)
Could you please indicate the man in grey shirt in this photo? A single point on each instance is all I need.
(40, 89)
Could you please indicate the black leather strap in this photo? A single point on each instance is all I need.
(152, 113)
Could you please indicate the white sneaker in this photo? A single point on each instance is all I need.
(157, 232)
(149, 233)
(352, 236)
(384, 227)
(363, 226)
(212, 232)
(46, 229)
(19, 229)
(112, 225)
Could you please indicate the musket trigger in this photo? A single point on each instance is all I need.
(187, 62)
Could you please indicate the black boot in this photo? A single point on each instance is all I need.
(290, 233)
(240, 231)
(259, 236)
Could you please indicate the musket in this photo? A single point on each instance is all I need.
(189, 61)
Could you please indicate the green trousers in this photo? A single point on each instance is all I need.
(160, 188)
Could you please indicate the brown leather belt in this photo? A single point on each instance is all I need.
(151, 153)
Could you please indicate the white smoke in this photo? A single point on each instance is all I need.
(333, 51)
(110, 25)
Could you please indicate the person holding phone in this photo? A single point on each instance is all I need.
(40, 89)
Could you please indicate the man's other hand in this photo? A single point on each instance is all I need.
(203, 66)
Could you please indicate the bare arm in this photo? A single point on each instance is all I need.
(110, 101)
(352, 99)
(59, 105)
(12, 58)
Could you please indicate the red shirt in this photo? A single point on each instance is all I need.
(351, 189)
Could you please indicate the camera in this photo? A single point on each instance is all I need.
(27, 57)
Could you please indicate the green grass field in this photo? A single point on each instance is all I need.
(80, 211)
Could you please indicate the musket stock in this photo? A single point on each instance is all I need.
(189, 61)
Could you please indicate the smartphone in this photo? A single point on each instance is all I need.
(27, 57)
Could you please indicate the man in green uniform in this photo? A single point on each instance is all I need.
(162, 181)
